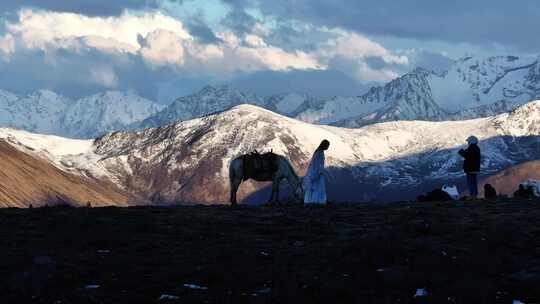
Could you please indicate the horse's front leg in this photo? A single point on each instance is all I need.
(274, 199)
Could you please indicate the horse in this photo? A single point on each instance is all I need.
(280, 168)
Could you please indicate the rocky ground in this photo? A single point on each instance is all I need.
(459, 252)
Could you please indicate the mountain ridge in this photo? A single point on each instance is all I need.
(473, 87)
(46, 112)
(187, 162)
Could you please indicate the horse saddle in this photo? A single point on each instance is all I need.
(260, 166)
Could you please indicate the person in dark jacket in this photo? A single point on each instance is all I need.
(471, 165)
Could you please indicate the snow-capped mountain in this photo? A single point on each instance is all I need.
(106, 112)
(41, 111)
(472, 88)
(408, 97)
(212, 99)
(49, 113)
(188, 161)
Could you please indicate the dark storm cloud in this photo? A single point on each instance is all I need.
(318, 83)
(514, 23)
(69, 73)
(239, 21)
(375, 63)
(86, 7)
(431, 61)
(201, 31)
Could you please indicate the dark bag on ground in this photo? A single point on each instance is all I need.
(436, 195)
(489, 192)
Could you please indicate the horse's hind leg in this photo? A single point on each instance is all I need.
(235, 183)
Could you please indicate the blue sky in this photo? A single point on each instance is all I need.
(166, 48)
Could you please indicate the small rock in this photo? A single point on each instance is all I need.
(168, 297)
(298, 243)
(527, 276)
(194, 286)
(43, 260)
(264, 290)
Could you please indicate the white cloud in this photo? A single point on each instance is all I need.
(354, 50)
(254, 41)
(160, 40)
(104, 76)
(163, 43)
(39, 28)
(354, 46)
(162, 47)
(7, 45)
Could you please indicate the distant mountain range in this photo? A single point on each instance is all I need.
(187, 162)
(49, 113)
(471, 88)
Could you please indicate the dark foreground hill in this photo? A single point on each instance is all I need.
(464, 252)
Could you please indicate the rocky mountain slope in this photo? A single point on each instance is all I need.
(26, 179)
(49, 113)
(472, 88)
(188, 162)
(212, 99)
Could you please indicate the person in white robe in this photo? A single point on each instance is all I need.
(315, 180)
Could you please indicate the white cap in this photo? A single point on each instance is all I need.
(472, 140)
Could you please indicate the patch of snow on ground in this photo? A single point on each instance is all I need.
(167, 297)
(421, 292)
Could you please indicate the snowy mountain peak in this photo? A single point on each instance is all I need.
(44, 93)
(46, 112)
(217, 90)
(523, 121)
(8, 96)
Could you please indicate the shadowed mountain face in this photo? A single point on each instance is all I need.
(188, 162)
(26, 179)
(507, 181)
